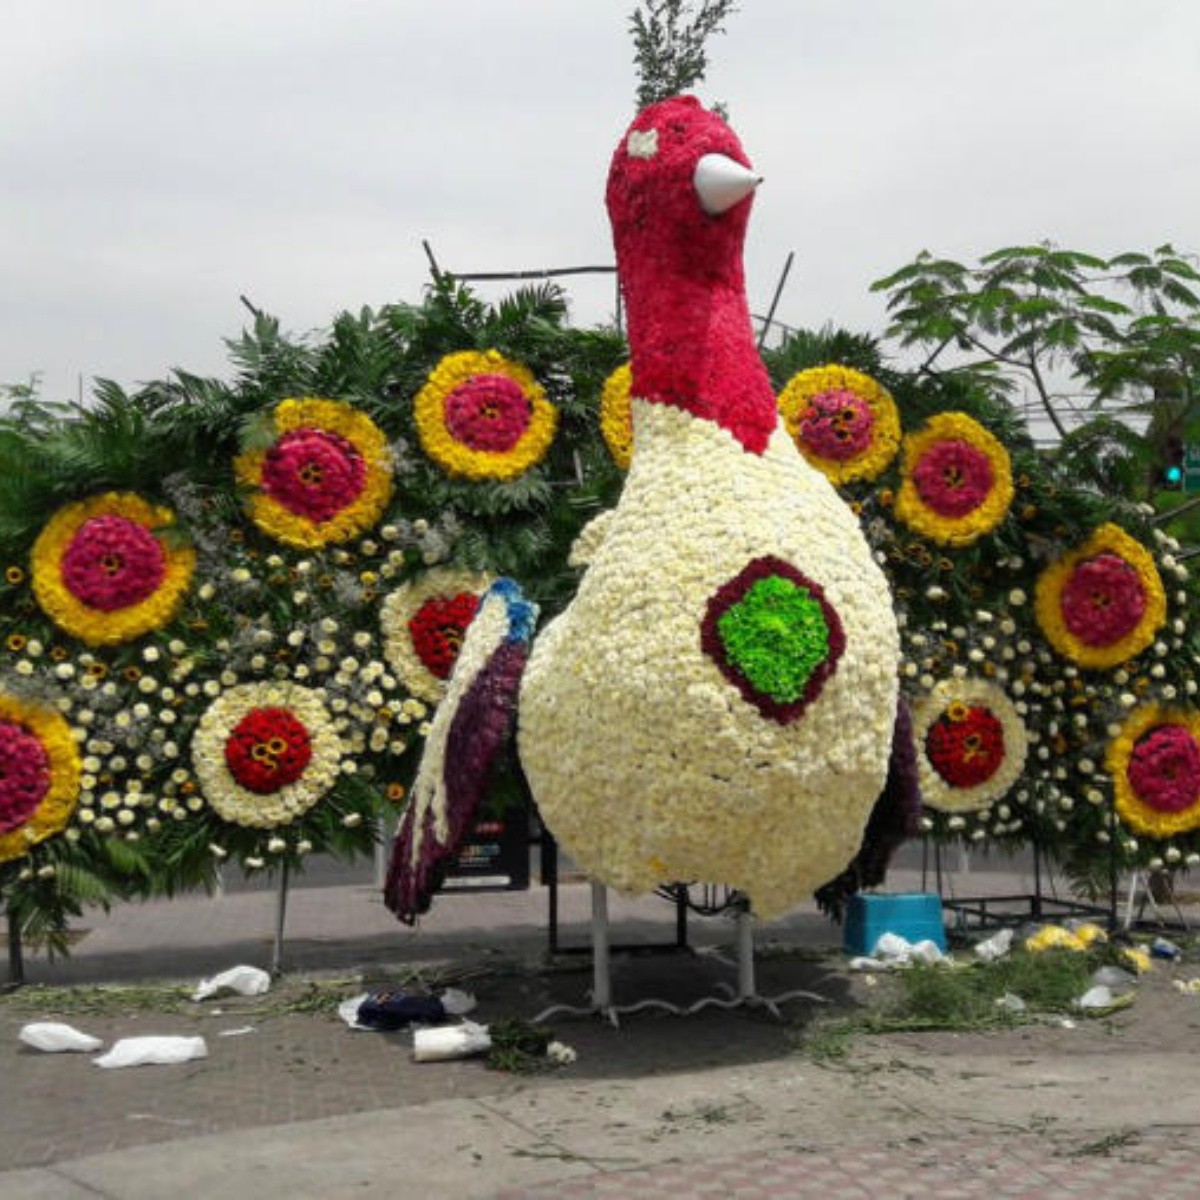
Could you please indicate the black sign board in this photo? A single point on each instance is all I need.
(495, 856)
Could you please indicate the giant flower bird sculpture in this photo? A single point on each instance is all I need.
(717, 701)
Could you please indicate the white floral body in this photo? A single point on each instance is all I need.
(645, 761)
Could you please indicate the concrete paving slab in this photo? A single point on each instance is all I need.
(458, 1149)
(45, 1183)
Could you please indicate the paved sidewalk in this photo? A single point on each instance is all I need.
(713, 1105)
(776, 1130)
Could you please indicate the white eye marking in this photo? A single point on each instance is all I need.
(642, 143)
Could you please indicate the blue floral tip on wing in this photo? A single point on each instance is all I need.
(522, 613)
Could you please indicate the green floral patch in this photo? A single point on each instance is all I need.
(774, 636)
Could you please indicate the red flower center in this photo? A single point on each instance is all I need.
(1103, 600)
(314, 473)
(837, 425)
(24, 775)
(487, 412)
(966, 746)
(953, 477)
(1164, 769)
(112, 563)
(437, 630)
(268, 749)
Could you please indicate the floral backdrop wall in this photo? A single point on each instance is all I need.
(229, 608)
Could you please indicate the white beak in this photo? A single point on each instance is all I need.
(720, 182)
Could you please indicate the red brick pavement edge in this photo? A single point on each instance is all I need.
(1133, 1166)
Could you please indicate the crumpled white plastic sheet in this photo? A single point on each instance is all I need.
(153, 1051)
(55, 1037)
(1101, 1000)
(246, 981)
(994, 947)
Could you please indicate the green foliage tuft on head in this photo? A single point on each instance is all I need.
(668, 44)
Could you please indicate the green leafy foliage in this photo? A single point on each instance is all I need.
(668, 42)
(1078, 334)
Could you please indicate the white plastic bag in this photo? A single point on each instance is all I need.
(892, 948)
(54, 1037)
(1100, 1000)
(247, 981)
(450, 1041)
(925, 951)
(997, 946)
(153, 1051)
(348, 1011)
(457, 1003)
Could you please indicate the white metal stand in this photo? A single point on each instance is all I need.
(1139, 882)
(601, 964)
(601, 998)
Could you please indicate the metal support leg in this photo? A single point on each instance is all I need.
(745, 955)
(16, 957)
(601, 967)
(280, 915)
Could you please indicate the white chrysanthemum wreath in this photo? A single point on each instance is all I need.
(971, 745)
(423, 623)
(265, 753)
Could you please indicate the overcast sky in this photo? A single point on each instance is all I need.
(160, 157)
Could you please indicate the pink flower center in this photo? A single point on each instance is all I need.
(1103, 600)
(487, 412)
(1164, 769)
(24, 775)
(837, 425)
(314, 473)
(953, 477)
(113, 562)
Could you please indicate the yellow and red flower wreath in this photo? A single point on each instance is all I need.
(956, 480)
(844, 422)
(481, 416)
(325, 478)
(111, 568)
(1155, 765)
(1102, 603)
(39, 783)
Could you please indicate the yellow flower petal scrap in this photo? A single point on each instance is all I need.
(807, 390)
(56, 806)
(98, 627)
(360, 513)
(453, 455)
